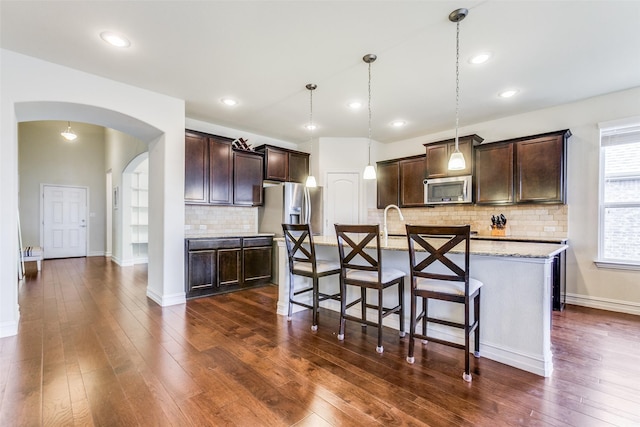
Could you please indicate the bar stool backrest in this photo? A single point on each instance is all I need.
(439, 243)
(352, 241)
(300, 247)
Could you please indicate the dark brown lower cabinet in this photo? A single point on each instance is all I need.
(201, 267)
(559, 281)
(257, 265)
(218, 265)
(229, 268)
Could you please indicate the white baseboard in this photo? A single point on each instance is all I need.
(604, 303)
(528, 362)
(117, 260)
(167, 300)
(10, 328)
(96, 253)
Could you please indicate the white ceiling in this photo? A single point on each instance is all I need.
(263, 53)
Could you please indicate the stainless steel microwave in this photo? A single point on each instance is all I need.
(440, 191)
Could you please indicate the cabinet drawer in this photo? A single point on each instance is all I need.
(207, 244)
(251, 242)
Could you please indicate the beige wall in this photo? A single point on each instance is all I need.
(586, 284)
(44, 157)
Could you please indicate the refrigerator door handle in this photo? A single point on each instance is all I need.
(307, 206)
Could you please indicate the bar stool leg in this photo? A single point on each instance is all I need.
(314, 325)
(290, 296)
(380, 348)
(343, 309)
(401, 304)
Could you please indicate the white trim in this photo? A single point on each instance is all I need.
(96, 253)
(119, 261)
(616, 265)
(619, 123)
(167, 300)
(604, 303)
(10, 328)
(516, 359)
(527, 362)
(601, 261)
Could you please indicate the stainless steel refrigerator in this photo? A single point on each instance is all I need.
(290, 203)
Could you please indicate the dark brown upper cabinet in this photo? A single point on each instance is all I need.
(247, 178)
(281, 164)
(540, 168)
(208, 165)
(412, 172)
(399, 182)
(220, 168)
(387, 183)
(524, 170)
(210, 172)
(493, 183)
(196, 169)
(438, 154)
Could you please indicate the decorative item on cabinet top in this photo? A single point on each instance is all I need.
(241, 144)
(216, 173)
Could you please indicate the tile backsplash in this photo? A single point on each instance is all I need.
(542, 221)
(205, 220)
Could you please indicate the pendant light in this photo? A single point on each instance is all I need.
(311, 180)
(68, 134)
(369, 171)
(456, 161)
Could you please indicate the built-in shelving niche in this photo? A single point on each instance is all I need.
(136, 211)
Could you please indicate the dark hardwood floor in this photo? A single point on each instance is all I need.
(93, 350)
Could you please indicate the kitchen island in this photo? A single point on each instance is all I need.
(516, 297)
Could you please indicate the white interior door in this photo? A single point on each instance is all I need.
(343, 200)
(64, 221)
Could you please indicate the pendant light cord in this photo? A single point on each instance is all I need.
(369, 112)
(311, 114)
(457, 77)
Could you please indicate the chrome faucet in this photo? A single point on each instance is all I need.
(385, 232)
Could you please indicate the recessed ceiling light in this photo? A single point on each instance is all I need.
(507, 93)
(480, 58)
(115, 39)
(310, 126)
(398, 123)
(354, 105)
(229, 102)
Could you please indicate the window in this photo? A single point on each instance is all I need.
(619, 240)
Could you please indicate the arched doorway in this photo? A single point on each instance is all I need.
(33, 89)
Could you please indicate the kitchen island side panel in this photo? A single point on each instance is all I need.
(515, 310)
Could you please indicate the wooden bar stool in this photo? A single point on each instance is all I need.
(431, 247)
(364, 270)
(303, 262)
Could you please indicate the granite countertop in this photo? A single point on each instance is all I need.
(213, 235)
(478, 247)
